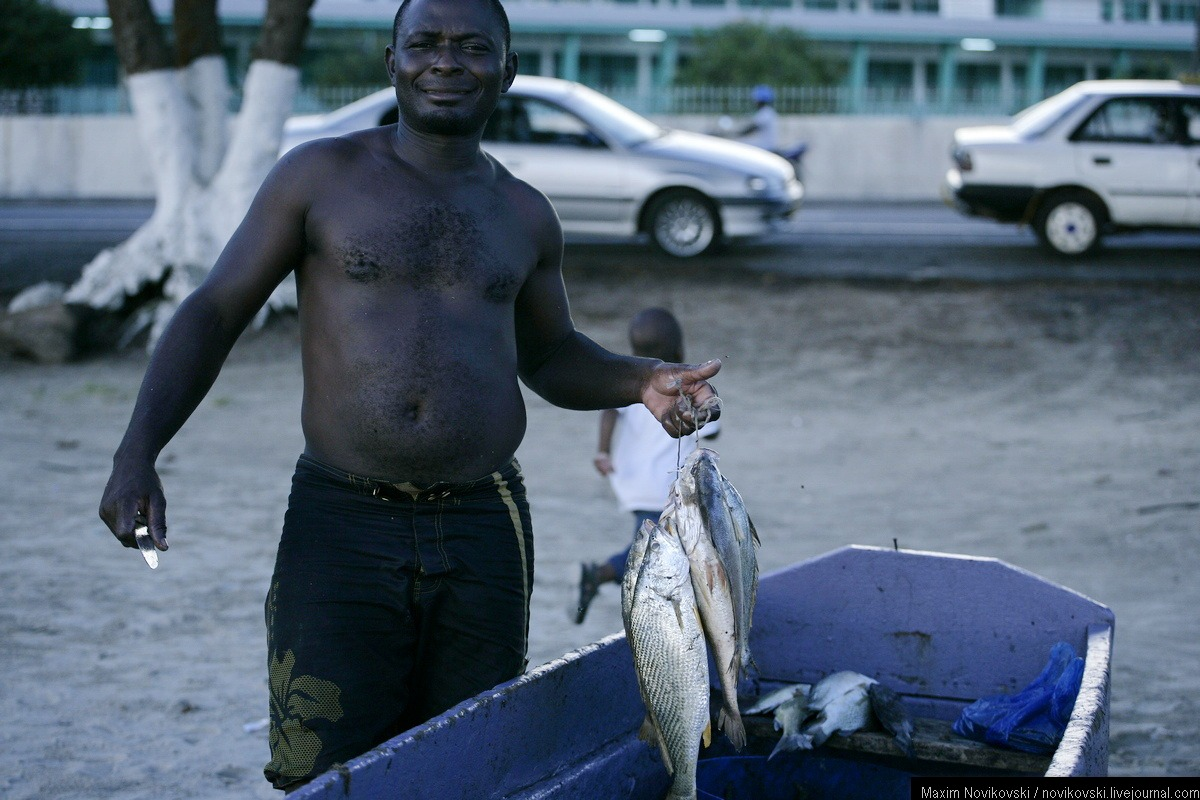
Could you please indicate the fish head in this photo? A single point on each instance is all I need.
(683, 488)
(702, 462)
(702, 455)
(665, 563)
(699, 467)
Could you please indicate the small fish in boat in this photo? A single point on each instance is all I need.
(663, 628)
(714, 600)
(773, 700)
(887, 708)
(841, 703)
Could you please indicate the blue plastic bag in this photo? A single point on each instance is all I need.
(1033, 719)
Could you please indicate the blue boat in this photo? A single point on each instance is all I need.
(942, 630)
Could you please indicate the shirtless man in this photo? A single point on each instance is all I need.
(429, 281)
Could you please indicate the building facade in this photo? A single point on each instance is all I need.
(995, 55)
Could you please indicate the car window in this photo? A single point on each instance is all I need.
(1191, 120)
(1040, 117)
(1138, 120)
(526, 120)
(619, 122)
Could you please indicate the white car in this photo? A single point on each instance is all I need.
(1100, 157)
(609, 171)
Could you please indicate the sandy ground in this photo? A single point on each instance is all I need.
(1054, 427)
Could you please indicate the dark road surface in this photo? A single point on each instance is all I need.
(841, 241)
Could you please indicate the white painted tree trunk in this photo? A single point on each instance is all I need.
(207, 169)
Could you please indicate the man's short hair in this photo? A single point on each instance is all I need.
(496, 6)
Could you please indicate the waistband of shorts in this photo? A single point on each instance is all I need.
(406, 490)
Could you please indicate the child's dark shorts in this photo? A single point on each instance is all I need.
(390, 604)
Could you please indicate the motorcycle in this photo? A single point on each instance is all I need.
(794, 153)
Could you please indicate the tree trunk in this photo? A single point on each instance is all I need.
(206, 170)
(284, 29)
(137, 37)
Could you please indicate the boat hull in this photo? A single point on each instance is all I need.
(940, 629)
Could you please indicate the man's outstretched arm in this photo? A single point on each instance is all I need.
(195, 344)
(570, 370)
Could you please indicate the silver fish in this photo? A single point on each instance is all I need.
(843, 703)
(887, 708)
(732, 534)
(714, 600)
(769, 702)
(665, 637)
(747, 539)
(633, 566)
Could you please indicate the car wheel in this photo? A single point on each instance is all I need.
(683, 223)
(1069, 223)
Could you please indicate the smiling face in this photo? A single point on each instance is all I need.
(449, 64)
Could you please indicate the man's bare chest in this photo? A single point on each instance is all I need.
(430, 245)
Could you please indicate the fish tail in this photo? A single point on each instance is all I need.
(733, 727)
(791, 741)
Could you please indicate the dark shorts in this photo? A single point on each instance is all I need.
(390, 604)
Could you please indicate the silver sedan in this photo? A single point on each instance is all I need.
(608, 170)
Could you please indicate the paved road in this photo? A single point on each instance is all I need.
(52, 241)
(928, 241)
(851, 241)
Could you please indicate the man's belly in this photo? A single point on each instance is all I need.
(422, 420)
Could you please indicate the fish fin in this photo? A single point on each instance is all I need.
(649, 734)
(678, 612)
(734, 728)
(715, 575)
(733, 664)
(747, 667)
(706, 737)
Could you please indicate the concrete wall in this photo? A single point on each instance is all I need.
(72, 157)
(864, 157)
(849, 157)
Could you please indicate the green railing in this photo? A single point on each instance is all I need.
(702, 100)
(737, 101)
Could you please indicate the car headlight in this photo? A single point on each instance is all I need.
(756, 183)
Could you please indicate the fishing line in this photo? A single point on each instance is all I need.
(679, 439)
(689, 407)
